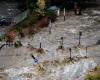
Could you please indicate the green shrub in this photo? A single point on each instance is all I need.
(52, 15)
(28, 22)
(21, 35)
(18, 44)
(93, 77)
(1, 38)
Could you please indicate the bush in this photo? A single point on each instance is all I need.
(2, 38)
(18, 44)
(33, 18)
(94, 75)
(51, 15)
(42, 23)
(21, 34)
(91, 77)
(28, 22)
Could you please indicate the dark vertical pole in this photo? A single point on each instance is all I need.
(64, 17)
(80, 34)
(70, 50)
(40, 45)
(86, 50)
(62, 39)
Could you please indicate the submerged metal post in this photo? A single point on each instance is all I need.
(35, 60)
(62, 40)
(40, 45)
(80, 34)
(86, 51)
(64, 17)
(70, 50)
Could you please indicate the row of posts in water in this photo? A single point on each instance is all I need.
(61, 46)
(77, 11)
